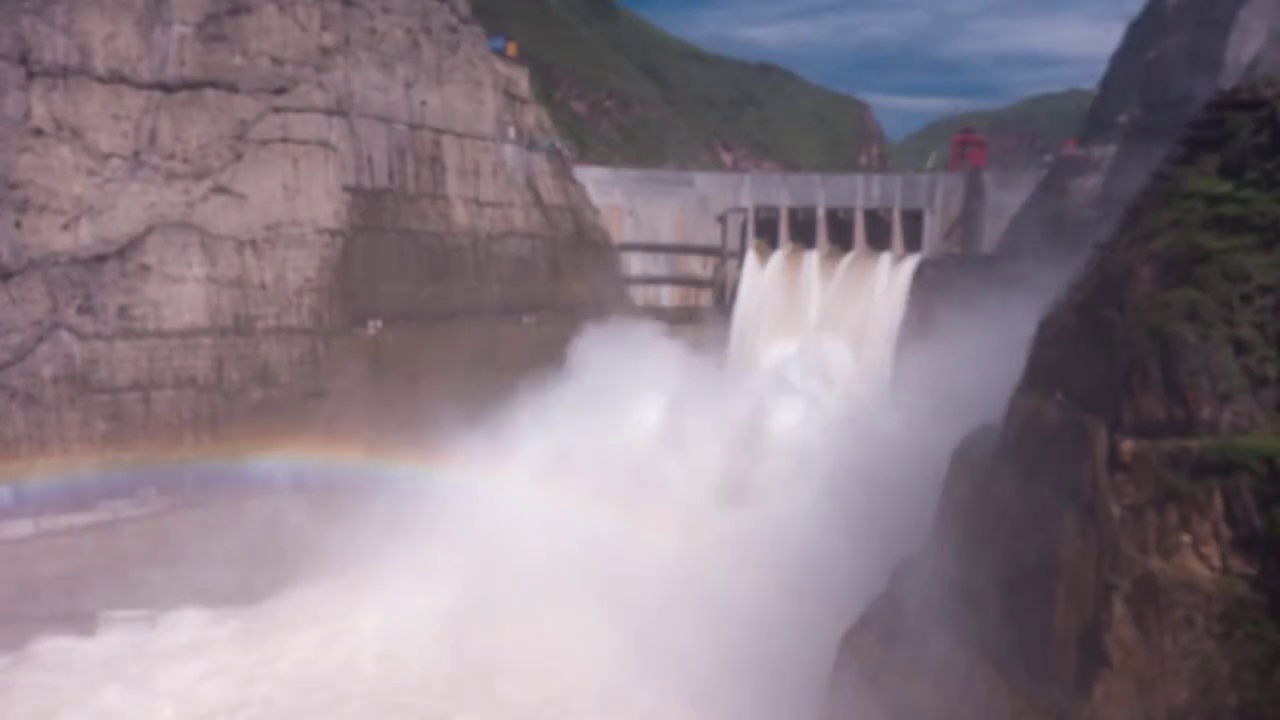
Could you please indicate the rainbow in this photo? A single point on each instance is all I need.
(52, 485)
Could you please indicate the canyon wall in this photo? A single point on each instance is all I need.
(1108, 548)
(1111, 549)
(199, 198)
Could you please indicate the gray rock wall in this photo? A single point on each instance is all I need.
(196, 195)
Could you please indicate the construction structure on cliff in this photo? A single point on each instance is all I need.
(968, 151)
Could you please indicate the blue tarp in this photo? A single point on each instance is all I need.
(498, 43)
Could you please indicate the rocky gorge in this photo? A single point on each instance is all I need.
(204, 204)
(1108, 549)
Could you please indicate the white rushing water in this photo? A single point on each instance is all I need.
(841, 312)
(648, 534)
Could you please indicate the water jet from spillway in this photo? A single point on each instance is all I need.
(842, 312)
(643, 535)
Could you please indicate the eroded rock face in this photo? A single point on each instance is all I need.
(1112, 550)
(195, 194)
(1173, 58)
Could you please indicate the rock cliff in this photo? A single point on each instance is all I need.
(197, 196)
(1175, 55)
(1112, 550)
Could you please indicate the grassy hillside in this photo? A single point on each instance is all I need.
(1052, 118)
(623, 91)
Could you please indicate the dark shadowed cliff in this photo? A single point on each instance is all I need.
(1113, 549)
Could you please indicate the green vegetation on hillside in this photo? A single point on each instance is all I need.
(1214, 249)
(1052, 118)
(622, 91)
(1206, 238)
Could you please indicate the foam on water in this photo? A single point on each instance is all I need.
(646, 535)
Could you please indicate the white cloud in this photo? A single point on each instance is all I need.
(831, 28)
(921, 103)
(1081, 29)
(1052, 36)
(914, 57)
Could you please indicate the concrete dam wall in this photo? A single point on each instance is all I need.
(680, 233)
(202, 201)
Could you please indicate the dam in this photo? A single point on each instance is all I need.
(681, 235)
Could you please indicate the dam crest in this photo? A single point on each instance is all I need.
(683, 236)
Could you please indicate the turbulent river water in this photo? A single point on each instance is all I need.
(650, 533)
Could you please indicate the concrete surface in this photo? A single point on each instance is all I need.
(697, 210)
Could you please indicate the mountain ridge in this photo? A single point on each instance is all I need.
(1033, 125)
(622, 91)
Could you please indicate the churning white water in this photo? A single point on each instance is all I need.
(842, 312)
(649, 534)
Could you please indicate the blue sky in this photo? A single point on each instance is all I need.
(913, 60)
